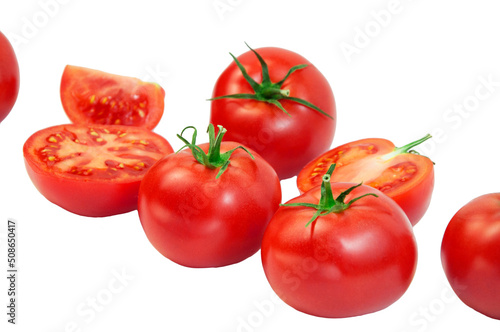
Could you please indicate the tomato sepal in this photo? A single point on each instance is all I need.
(213, 159)
(267, 91)
(327, 203)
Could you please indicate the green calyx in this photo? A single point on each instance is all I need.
(268, 91)
(327, 203)
(214, 158)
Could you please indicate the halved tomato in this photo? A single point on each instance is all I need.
(92, 171)
(91, 96)
(406, 177)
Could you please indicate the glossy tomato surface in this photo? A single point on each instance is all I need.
(407, 178)
(343, 264)
(470, 253)
(287, 142)
(93, 171)
(196, 220)
(9, 77)
(91, 96)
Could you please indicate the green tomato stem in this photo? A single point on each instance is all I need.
(268, 91)
(406, 148)
(327, 203)
(274, 93)
(214, 158)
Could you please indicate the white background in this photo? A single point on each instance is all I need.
(403, 82)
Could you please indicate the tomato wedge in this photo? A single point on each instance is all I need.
(406, 177)
(92, 171)
(91, 96)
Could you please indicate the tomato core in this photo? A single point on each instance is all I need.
(341, 158)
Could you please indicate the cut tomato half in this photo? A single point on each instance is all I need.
(93, 171)
(406, 177)
(91, 96)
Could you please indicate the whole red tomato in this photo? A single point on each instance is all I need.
(93, 171)
(470, 253)
(9, 77)
(401, 174)
(208, 206)
(278, 104)
(329, 258)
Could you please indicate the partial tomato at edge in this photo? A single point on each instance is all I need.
(406, 177)
(91, 96)
(9, 77)
(470, 254)
(92, 171)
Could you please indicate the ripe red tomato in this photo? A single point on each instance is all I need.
(93, 171)
(470, 254)
(198, 220)
(9, 77)
(253, 116)
(343, 260)
(91, 96)
(406, 177)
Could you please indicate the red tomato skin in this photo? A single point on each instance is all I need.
(286, 142)
(342, 265)
(85, 197)
(198, 221)
(9, 77)
(470, 254)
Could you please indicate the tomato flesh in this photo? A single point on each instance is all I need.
(407, 178)
(340, 157)
(94, 97)
(394, 177)
(114, 107)
(103, 164)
